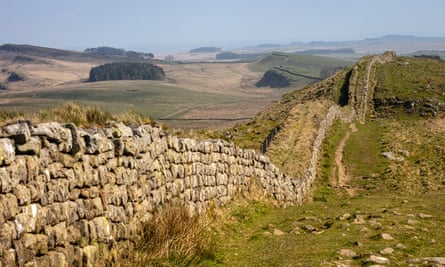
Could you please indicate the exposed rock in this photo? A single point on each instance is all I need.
(278, 232)
(387, 251)
(346, 253)
(431, 261)
(387, 237)
(7, 151)
(400, 246)
(19, 131)
(378, 259)
(391, 156)
(424, 216)
(344, 217)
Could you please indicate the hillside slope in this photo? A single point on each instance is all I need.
(286, 69)
(379, 195)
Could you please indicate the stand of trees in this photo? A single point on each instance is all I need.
(117, 52)
(126, 71)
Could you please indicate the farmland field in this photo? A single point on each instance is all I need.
(198, 95)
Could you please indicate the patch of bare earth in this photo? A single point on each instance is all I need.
(341, 178)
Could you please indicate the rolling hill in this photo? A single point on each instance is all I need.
(286, 70)
(379, 196)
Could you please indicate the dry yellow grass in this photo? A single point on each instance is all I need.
(291, 148)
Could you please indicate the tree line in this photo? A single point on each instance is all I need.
(126, 71)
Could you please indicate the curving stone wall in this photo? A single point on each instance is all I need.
(64, 190)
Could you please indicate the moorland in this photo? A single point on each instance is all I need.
(379, 196)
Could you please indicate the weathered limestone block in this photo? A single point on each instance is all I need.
(19, 131)
(179, 185)
(96, 143)
(54, 132)
(91, 176)
(7, 151)
(127, 162)
(57, 235)
(56, 258)
(93, 208)
(116, 214)
(121, 130)
(129, 148)
(6, 183)
(59, 188)
(29, 246)
(23, 194)
(26, 220)
(7, 234)
(9, 258)
(100, 229)
(18, 170)
(32, 146)
(90, 256)
(8, 207)
(73, 233)
(177, 171)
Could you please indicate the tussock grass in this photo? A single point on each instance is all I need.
(171, 238)
(80, 115)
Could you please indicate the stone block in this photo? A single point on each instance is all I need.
(57, 235)
(90, 256)
(55, 133)
(6, 183)
(19, 131)
(31, 147)
(7, 151)
(7, 235)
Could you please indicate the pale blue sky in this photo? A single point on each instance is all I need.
(163, 25)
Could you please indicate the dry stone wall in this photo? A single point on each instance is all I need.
(63, 189)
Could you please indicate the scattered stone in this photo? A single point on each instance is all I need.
(431, 261)
(412, 222)
(409, 227)
(309, 228)
(387, 237)
(424, 229)
(267, 233)
(359, 219)
(365, 231)
(400, 246)
(387, 251)
(296, 230)
(424, 216)
(345, 226)
(278, 232)
(433, 241)
(391, 156)
(344, 217)
(346, 253)
(378, 259)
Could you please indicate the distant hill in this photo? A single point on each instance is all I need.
(126, 71)
(32, 50)
(285, 69)
(327, 51)
(25, 52)
(206, 49)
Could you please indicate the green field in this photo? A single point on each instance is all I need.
(302, 64)
(148, 98)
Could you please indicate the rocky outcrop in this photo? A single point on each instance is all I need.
(65, 190)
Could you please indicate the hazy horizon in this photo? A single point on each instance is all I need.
(173, 25)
